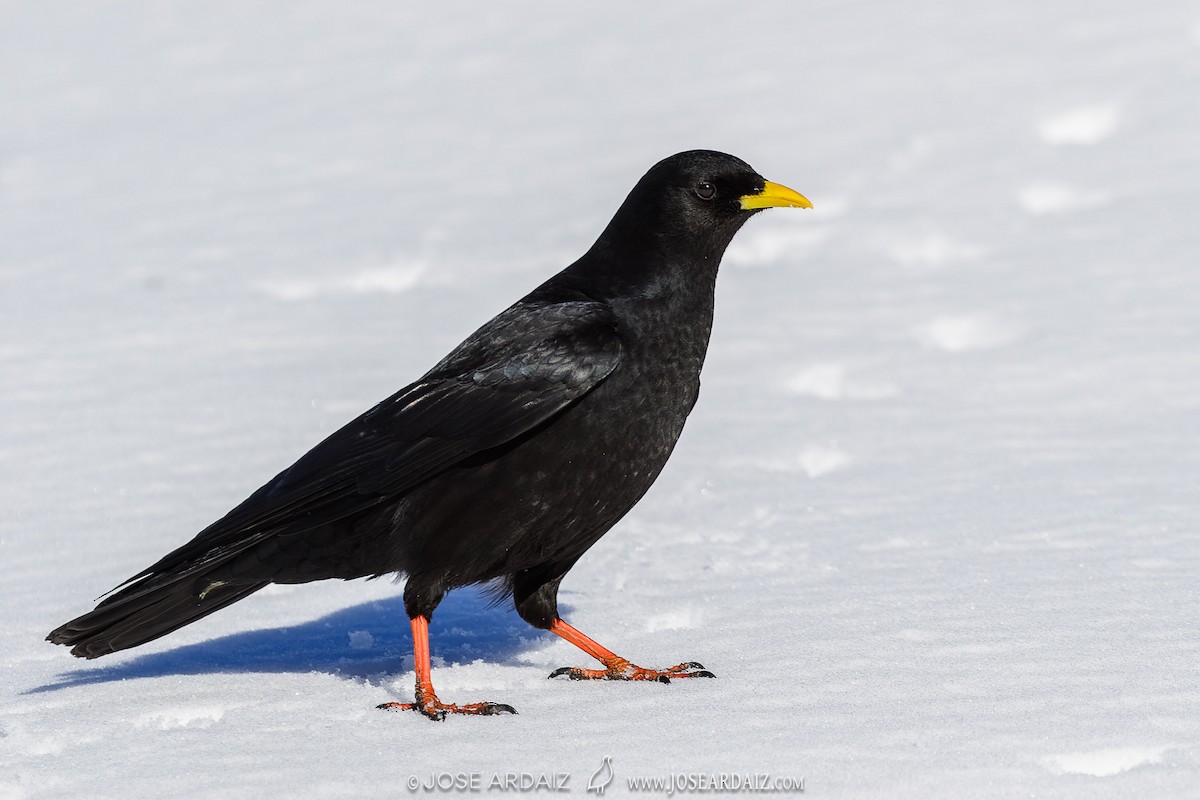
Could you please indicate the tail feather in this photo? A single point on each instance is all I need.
(138, 614)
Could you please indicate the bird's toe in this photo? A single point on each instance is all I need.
(624, 671)
(437, 710)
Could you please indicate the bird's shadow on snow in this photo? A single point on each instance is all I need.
(368, 642)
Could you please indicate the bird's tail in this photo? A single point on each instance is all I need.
(145, 610)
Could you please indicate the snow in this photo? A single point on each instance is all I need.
(932, 523)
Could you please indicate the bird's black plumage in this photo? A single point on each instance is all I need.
(507, 460)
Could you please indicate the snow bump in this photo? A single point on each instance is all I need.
(958, 333)
(818, 460)
(1080, 126)
(182, 717)
(1103, 763)
(829, 381)
(933, 250)
(395, 279)
(1045, 197)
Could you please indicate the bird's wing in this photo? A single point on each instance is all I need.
(518, 371)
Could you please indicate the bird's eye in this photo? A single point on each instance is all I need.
(705, 190)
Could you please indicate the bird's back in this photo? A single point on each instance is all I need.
(544, 499)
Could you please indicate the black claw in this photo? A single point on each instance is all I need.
(663, 679)
(703, 674)
(693, 665)
(498, 708)
(561, 671)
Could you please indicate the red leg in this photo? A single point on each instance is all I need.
(426, 700)
(615, 667)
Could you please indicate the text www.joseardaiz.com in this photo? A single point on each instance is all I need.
(715, 783)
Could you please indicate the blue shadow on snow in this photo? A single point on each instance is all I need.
(465, 628)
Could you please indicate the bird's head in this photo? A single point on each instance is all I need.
(703, 196)
(674, 226)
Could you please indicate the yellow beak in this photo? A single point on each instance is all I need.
(774, 194)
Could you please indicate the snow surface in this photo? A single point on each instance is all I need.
(933, 521)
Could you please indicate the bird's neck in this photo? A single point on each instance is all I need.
(646, 264)
(663, 295)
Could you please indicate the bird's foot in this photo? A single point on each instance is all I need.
(618, 669)
(436, 710)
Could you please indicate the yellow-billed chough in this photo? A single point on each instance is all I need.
(507, 460)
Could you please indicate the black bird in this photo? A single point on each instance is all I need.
(506, 461)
